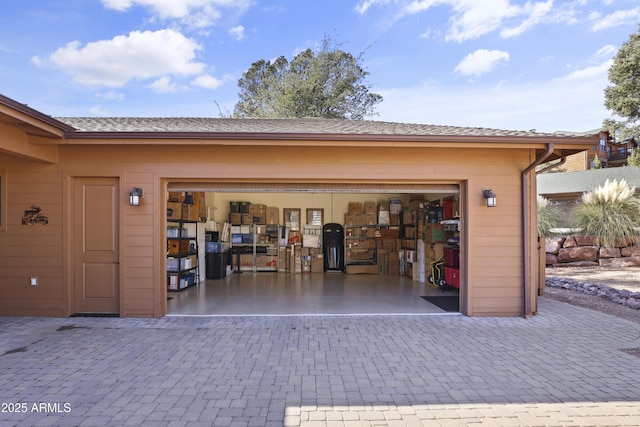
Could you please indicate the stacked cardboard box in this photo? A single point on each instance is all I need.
(194, 210)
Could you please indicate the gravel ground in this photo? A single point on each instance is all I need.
(628, 278)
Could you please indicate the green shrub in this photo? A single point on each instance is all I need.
(548, 217)
(610, 213)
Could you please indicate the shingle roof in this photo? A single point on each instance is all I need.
(295, 126)
(585, 181)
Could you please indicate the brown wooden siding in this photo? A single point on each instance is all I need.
(492, 259)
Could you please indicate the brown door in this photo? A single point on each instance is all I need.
(95, 245)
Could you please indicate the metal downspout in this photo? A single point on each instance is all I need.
(525, 228)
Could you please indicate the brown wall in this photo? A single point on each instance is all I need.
(492, 254)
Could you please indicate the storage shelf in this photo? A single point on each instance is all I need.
(180, 278)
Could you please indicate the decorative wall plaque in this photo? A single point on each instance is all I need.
(34, 217)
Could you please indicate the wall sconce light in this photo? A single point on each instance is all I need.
(491, 198)
(135, 196)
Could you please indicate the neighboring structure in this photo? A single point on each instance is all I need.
(70, 180)
(610, 152)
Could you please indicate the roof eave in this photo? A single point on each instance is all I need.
(575, 143)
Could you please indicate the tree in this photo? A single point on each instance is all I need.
(622, 98)
(634, 157)
(328, 83)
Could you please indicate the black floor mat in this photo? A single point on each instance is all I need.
(445, 302)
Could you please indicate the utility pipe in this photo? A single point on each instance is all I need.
(525, 228)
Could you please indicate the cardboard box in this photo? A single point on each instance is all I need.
(235, 218)
(434, 251)
(433, 232)
(189, 212)
(393, 268)
(247, 218)
(394, 219)
(174, 210)
(272, 215)
(317, 263)
(356, 208)
(283, 264)
(362, 269)
(370, 207)
(177, 247)
(389, 233)
(383, 218)
(175, 197)
(257, 209)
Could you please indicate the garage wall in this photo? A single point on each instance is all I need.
(493, 255)
(335, 205)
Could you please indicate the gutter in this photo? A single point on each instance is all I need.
(525, 228)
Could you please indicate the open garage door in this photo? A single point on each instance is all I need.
(391, 284)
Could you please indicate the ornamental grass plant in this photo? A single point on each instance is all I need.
(610, 213)
(548, 217)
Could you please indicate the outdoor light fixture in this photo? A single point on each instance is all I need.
(135, 196)
(491, 198)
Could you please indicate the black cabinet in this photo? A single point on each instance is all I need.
(216, 264)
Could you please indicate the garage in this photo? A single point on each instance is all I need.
(312, 249)
(84, 208)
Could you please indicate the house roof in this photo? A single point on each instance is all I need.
(287, 126)
(579, 182)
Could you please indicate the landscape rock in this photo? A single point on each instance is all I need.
(631, 251)
(609, 253)
(621, 297)
(553, 244)
(578, 253)
(551, 259)
(569, 242)
(584, 240)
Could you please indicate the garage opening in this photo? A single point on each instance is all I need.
(236, 248)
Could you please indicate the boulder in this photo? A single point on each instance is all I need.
(584, 240)
(553, 244)
(630, 261)
(578, 253)
(569, 242)
(630, 251)
(610, 253)
(551, 259)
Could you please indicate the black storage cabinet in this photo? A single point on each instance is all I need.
(216, 264)
(333, 247)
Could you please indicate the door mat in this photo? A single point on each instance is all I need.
(95, 315)
(445, 302)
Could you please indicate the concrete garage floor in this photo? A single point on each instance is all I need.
(274, 293)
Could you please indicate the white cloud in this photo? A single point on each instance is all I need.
(193, 13)
(164, 85)
(481, 61)
(474, 18)
(574, 102)
(536, 13)
(364, 5)
(607, 51)
(237, 32)
(137, 56)
(616, 19)
(111, 96)
(207, 82)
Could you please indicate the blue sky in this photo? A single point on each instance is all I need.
(508, 64)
